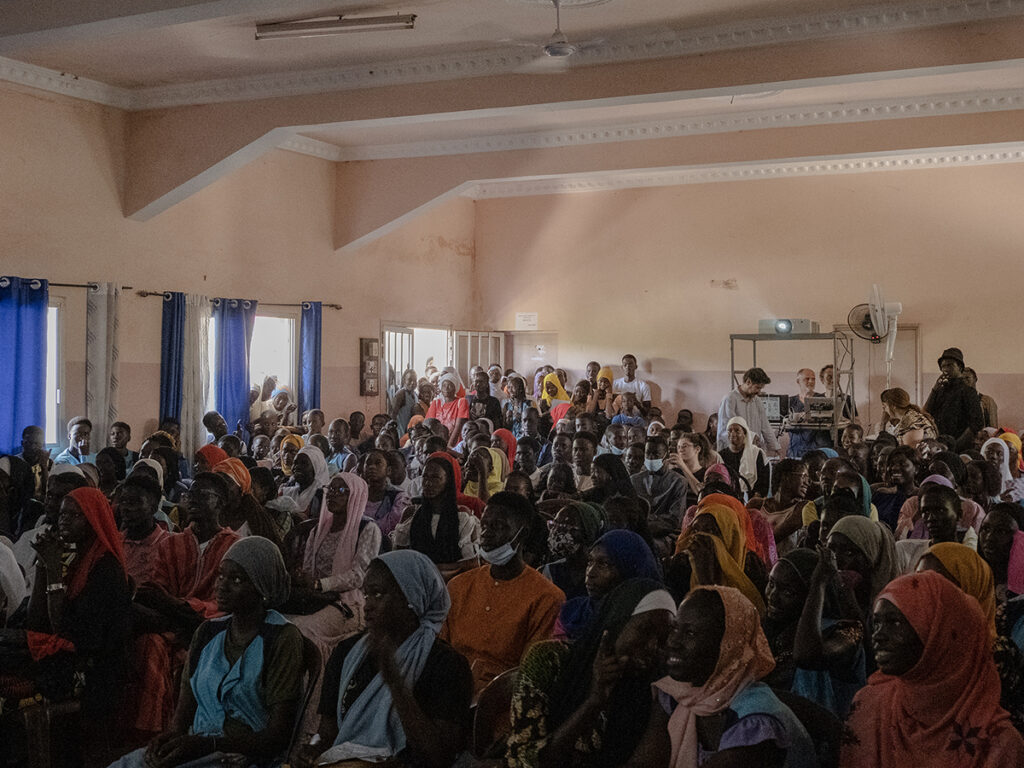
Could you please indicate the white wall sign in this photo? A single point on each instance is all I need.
(526, 321)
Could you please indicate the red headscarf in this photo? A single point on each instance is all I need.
(510, 444)
(96, 508)
(213, 454)
(474, 505)
(947, 705)
(235, 469)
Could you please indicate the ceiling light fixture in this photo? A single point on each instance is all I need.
(332, 26)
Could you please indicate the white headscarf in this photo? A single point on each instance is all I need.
(1006, 479)
(303, 497)
(748, 461)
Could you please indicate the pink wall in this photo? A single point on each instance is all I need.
(635, 271)
(264, 232)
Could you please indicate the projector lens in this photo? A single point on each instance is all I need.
(783, 326)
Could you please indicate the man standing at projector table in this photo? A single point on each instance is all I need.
(955, 407)
(803, 440)
(743, 401)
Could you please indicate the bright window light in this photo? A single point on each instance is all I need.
(272, 352)
(52, 429)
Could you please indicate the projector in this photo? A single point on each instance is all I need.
(784, 326)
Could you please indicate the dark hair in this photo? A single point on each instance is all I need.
(784, 468)
(949, 497)
(703, 445)
(122, 425)
(442, 546)
(955, 463)
(621, 485)
(120, 470)
(436, 443)
(264, 478)
(71, 479)
(146, 485)
(884, 438)
(991, 478)
(518, 474)
(1014, 510)
(756, 376)
(218, 482)
(657, 440)
(79, 420)
(160, 439)
(590, 437)
(855, 427)
(629, 356)
(843, 502)
(518, 509)
(396, 456)
(906, 451)
(562, 473)
(171, 474)
(530, 443)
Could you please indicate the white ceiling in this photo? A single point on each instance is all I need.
(150, 43)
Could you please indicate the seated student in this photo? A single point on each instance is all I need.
(627, 411)
(561, 453)
(242, 683)
(439, 526)
(333, 565)
(385, 503)
(572, 532)
(711, 709)
(342, 458)
(309, 478)
(397, 694)
(997, 452)
(968, 571)
(898, 485)
(853, 435)
(819, 653)
(617, 556)
(584, 446)
(449, 408)
(83, 610)
(946, 468)
(243, 513)
(206, 458)
(110, 466)
(137, 503)
(527, 451)
(663, 489)
(398, 470)
(500, 609)
(610, 478)
(484, 473)
(118, 439)
(79, 442)
(181, 595)
(588, 702)
(482, 404)
(744, 459)
(940, 508)
(921, 705)
(37, 456)
(1001, 544)
(784, 509)
(215, 425)
(63, 479)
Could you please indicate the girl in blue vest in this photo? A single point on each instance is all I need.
(243, 681)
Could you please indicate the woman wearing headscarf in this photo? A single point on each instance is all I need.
(438, 526)
(601, 397)
(572, 533)
(78, 616)
(997, 453)
(711, 704)
(553, 393)
(206, 458)
(484, 471)
(918, 703)
(450, 407)
(581, 703)
(505, 441)
(167, 513)
(244, 672)
(309, 477)
(617, 556)
(715, 549)
(744, 459)
(244, 514)
(397, 693)
(968, 571)
(760, 538)
(819, 653)
(610, 478)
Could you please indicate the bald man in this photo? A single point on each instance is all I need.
(803, 440)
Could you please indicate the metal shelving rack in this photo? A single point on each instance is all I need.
(842, 366)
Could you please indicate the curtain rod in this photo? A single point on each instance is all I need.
(83, 285)
(263, 304)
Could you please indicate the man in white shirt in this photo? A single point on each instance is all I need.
(630, 383)
(744, 401)
(79, 439)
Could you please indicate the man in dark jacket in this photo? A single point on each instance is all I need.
(952, 403)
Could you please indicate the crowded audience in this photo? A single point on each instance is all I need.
(529, 569)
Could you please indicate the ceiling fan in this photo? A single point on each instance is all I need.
(555, 54)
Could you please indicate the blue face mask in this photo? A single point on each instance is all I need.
(615, 450)
(500, 555)
(653, 465)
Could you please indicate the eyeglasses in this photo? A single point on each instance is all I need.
(333, 490)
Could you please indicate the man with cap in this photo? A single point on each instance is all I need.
(953, 403)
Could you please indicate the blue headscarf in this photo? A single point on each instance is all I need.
(832, 453)
(371, 728)
(631, 557)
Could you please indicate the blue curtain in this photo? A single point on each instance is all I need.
(234, 320)
(309, 358)
(23, 306)
(172, 355)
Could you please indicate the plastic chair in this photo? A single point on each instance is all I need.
(39, 720)
(491, 721)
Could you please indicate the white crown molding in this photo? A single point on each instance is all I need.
(816, 114)
(64, 83)
(607, 181)
(610, 181)
(774, 31)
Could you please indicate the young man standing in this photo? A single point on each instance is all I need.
(630, 383)
(483, 405)
(953, 404)
(743, 401)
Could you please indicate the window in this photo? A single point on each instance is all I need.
(274, 351)
(54, 422)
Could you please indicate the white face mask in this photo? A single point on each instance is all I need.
(615, 450)
(500, 555)
(653, 465)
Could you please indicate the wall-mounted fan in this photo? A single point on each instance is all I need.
(876, 322)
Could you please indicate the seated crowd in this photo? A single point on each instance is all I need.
(522, 574)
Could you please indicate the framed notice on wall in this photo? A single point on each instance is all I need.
(369, 367)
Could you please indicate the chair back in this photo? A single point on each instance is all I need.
(491, 720)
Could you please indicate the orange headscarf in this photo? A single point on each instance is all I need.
(235, 469)
(973, 575)
(98, 514)
(1014, 440)
(510, 444)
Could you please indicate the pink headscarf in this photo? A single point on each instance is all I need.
(344, 554)
(744, 658)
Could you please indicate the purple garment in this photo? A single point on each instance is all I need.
(387, 512)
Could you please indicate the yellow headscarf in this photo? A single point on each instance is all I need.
(560, 395)
(972, 574)
(295, 440)
(606, 373)
(730, 552)
(496, 478)
(1014, 440)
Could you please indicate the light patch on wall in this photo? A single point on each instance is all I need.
(729, 285)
